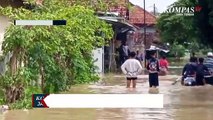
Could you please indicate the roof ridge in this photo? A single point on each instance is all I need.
(145, 10)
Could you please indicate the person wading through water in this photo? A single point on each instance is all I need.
(124, 52)
(208, 62)
(153, 68)
(164, 66)
(189, 73)
(131, 68)
(200, 73)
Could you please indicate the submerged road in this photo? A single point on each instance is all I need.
(180, 103)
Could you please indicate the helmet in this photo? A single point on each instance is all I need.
(210, 54)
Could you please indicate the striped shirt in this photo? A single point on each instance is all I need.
(208, 62)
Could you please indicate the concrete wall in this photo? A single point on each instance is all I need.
(98, 57)
(4, 23)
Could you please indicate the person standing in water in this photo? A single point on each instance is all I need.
(153, 68)
(208, 62)
(164, 65)
(131, 68)
(139, 56)
(189, 73)
(201, 71)
(124, 52)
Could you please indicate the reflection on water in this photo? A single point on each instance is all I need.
(53, 114)
(180, 103)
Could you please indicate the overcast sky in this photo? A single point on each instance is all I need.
(161, 5)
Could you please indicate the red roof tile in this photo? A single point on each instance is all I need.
(136, 16)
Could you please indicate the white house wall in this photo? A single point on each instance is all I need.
(4, 23)
(98, 56)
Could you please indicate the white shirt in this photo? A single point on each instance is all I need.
(131, 68)
(125, 49)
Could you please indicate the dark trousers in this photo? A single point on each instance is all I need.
(199, 79)
(123, 59)
(209, 80)
(153, 79)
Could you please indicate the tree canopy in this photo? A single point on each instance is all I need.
(192, 32)
(204, 20)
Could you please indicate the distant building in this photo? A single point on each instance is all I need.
(123, 33)
(136, 17)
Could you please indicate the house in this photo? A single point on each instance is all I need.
(135, 38)
(136, 17)
(117, 15)
(121, 29)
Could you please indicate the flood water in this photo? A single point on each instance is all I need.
(180, 103)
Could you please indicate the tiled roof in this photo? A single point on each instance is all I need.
(136, 16)
(120, 7)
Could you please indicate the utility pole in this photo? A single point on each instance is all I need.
(144, 32)
(154, 10)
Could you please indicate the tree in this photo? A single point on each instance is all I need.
(98, 5)
(204, 21)
(183, 30)
(60, 55)
(177, 51)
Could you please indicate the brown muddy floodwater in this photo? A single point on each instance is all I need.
(180, 103)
